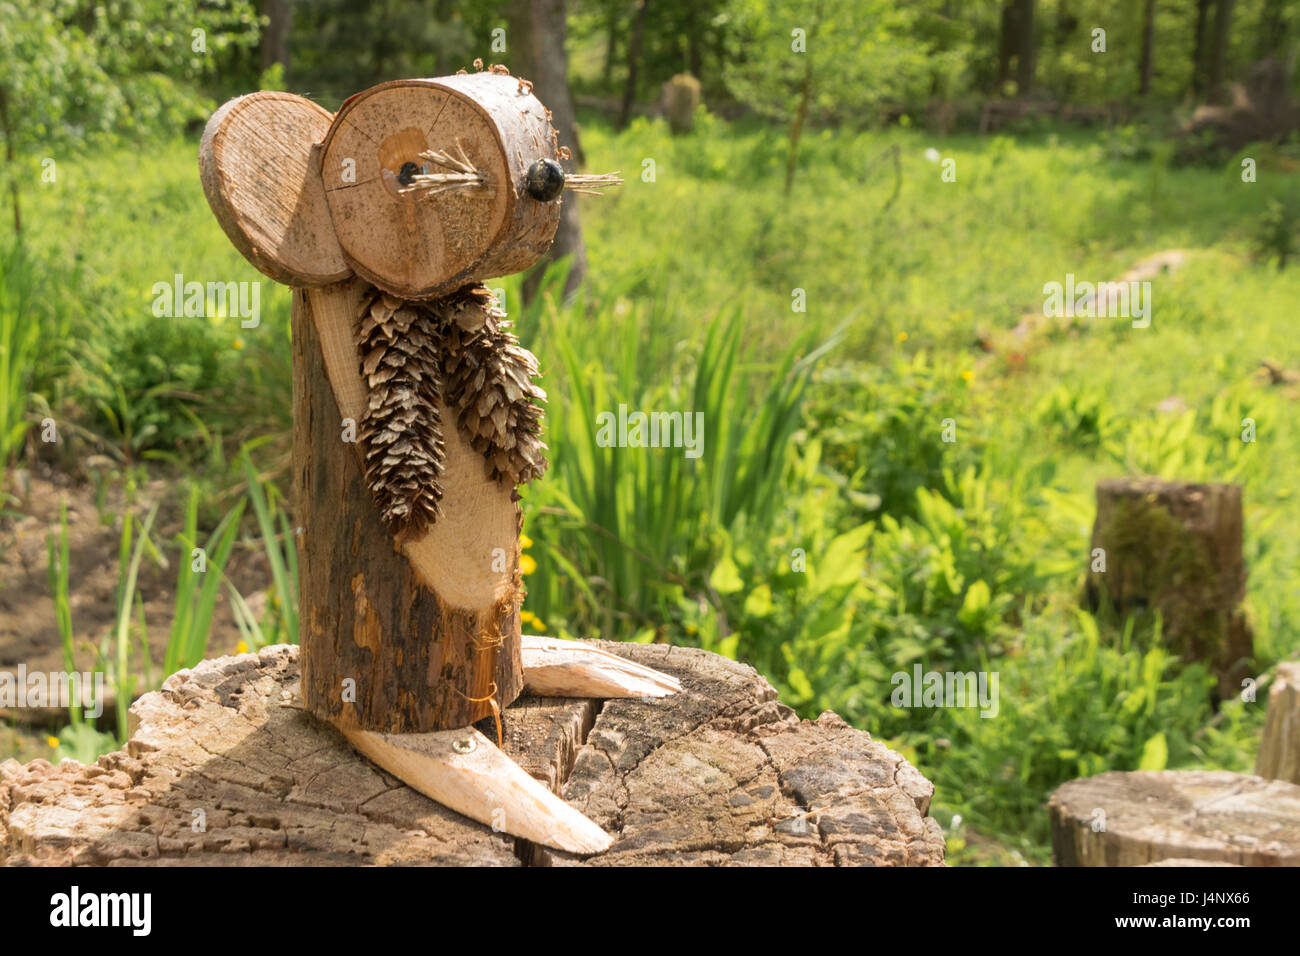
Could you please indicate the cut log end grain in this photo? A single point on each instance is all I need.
(720, 773)
(424, 243)
(1140, 817)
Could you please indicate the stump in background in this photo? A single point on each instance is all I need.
(1279, 748)
(1131, 819)
(678, 98)
(1176, 547)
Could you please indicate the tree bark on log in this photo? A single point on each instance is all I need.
(1131, 819)
(1177, 548)
(224, 768)
(1279, 747)
(416, 660)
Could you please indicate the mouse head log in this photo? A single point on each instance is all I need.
(417, 186)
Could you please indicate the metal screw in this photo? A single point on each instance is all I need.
(463, 745)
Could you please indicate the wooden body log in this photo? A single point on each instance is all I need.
(393, 642)
(718, 774)
(1140, 817)
(1177, 547)
(1279, 746)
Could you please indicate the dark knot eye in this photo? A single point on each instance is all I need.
(406, 175)
(545, 180)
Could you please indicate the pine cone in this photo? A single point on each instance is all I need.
(489, 382)
(401, 427)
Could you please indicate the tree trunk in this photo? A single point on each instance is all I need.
(275, 37)
(537, 28)
(796, 127)
(633, 62)
(1279, 747)
(1272, 29)
(382, 650)
(1219, 50)
(1140, 817)
(1066, 24)
(694, 60)
(1148, 48)
(9, 159)
(1200, 41)
(1006, 43)
(611, 44)
(1176, 548)
(720, 773)
(1025, 53)
(805, 94)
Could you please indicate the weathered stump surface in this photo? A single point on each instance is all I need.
(1279, 746)
(1135, 818)
(717, 774)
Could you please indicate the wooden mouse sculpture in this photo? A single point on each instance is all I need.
(384, 218)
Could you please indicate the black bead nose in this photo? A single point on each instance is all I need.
(406, 175)
(545, 180)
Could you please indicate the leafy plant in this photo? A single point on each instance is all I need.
(1275, 233)
(1077, 416)
(281, 549)
(201, 572)
(21, 345)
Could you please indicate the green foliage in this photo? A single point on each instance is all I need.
(199, 578)
(885, 442)
(129, 557)
(1275, 233)
(127, 666)
(858, 72)
(1078, 417)
(76, 70)
(280, 546)
(59, 561)
(83, 743)
(648, 524)
(21, 335)
(1070, 705)
(146, 384)
(351, 46)
(77, 74)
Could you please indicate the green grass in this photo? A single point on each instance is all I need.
(827, 535)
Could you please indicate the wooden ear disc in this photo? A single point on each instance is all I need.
(264, 187)
(422, 243)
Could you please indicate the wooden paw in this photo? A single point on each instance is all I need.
(556, 668)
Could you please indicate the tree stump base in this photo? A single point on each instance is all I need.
(1279, 745)
(1176, 547)
(1212, 816)
(224, 768)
